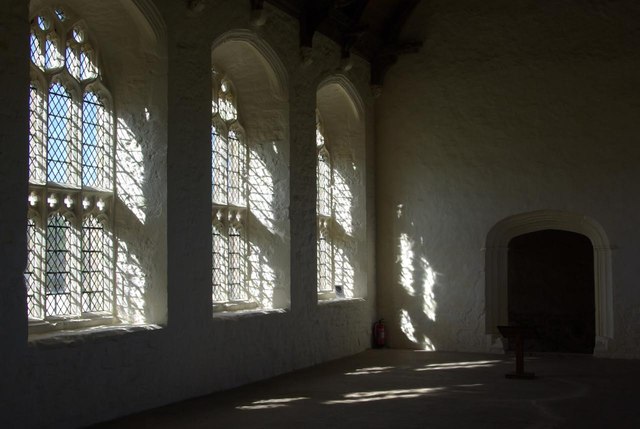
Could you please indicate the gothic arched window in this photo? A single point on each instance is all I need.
(229, 172)
(71, 176)
(324, 209)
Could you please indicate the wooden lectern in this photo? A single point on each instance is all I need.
(519, 333)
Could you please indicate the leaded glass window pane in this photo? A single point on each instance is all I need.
(69, 267)
(218, 167)
(325, 277)
(324, 208)
(88, 69)
(237, 170)
(37, 56)
(227, 108)
(95, 251)
(31, 274)
(59, 264)
(73, 61)
(59, 138)
(95, 141)
(229, 170)
(237, 263)
(37, 121)
(219, 261)
(52, 57)
(324, 184)
(60, 14)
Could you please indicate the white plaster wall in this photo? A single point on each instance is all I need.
(85, 378)
(509, 107)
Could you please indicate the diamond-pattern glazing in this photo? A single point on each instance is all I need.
(324, 183)
(229, 171)
(37, 119)
(324, 261)
(93, 141)
(73, 62)
(59, 138)
(52, 57)
(34, 244)
(218, 167)
(70, 143)
(219, 263)
(88, 69)
(237, 263)
(227, 108)
(37, 56)
(58, 263)
(94, 251)
(237, 171)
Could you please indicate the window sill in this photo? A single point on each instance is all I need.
(325, 296)
(223, 307)
(66, 332)
(247, 313)
(340, 301)
(55, 324)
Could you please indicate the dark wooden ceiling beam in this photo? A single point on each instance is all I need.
(391, 47)
(312, 14)
(345, 22)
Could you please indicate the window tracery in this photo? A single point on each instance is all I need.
(71, 141)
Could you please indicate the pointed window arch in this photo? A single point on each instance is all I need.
(230, 209)
(70, 270)
(341, 196)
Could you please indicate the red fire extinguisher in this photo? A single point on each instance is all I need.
(379, 335)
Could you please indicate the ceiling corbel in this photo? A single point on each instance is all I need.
(391, 47)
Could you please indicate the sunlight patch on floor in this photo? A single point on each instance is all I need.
(383, 395)
(265, 404)
(370, 370)
(460, 365)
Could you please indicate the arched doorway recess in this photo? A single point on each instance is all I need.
(550, 287)
(496, 267)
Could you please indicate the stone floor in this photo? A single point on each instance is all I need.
(412, 389)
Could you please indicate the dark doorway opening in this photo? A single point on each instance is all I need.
(551, 287)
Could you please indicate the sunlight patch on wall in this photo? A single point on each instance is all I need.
(428, 345)
(343, 201)
(130, 174)
(406, 326)
(382, 395)
(262, 278)
(429, 304)
(405, 258)
(344, 273)
(130, 282)
(261, 192)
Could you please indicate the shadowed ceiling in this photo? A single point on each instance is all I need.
(370, 28)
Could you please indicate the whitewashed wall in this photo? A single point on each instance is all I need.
(510, 107)
(83, 379)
